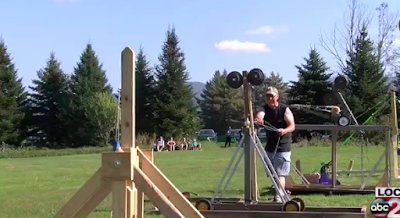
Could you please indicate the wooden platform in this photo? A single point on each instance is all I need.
(327, 189)
(272, 210)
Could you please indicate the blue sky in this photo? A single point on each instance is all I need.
(213, 34)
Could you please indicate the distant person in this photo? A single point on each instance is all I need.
(184, 144)
(196, 145)
(171, 144)
(160, 144)
(228, 138)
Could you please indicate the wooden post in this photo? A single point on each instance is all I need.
(394, 133)
(333, 154)
(129, 173)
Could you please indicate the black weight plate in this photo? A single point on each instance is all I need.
(330, 99)
(234, 80)
(341, 82)
(256, 77)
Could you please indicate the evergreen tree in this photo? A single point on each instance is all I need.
(220, 104)
(144, 94)
(48, 102)
(12, 101)
(87, 79)
(175, 112)
(313, 83)
(275, 80)
(368, 83)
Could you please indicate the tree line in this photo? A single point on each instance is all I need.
(80, 108)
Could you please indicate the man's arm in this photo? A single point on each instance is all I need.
(289, 119)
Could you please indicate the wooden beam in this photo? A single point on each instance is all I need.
(81, 196)
(100, 194)
(166, 186)
(394, 133)
(156, 196)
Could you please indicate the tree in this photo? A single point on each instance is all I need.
(87, 79)
(12, 101)
(101, 111)
(343, 39)
(220, 104)
(145, 94)
(368, 83)
(275, 80)
(313, 83)
(175, 112)
(48, 101)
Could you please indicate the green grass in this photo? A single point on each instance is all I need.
(38, 187)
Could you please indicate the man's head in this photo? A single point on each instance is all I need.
(272, 97)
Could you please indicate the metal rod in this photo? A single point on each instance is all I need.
(271, 173)
(373, 169)
(341, 128)
(231, 173)
(347, 107)
(227, 168)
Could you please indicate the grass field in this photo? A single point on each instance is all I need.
(38, 187)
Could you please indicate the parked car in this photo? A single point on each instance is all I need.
(206, 134)
(235, 133)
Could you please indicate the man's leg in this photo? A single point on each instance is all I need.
(282, 167)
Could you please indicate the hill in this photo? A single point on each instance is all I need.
(197, 88)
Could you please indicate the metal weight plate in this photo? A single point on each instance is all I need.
(330, 99)
(341, 82)
(234, 80)
(256, 77)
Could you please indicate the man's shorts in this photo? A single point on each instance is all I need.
(281, 162)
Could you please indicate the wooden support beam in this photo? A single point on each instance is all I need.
(156, 195)
(169, 190)
(120, 172)
(81, 196)
(394, 133)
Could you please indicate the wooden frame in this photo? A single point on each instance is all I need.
(129, 173)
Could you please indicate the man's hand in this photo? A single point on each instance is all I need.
(281, 132)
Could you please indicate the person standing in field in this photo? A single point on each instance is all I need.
(278, 145)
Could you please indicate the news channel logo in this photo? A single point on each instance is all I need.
(382, 208)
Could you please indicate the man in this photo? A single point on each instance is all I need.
(278, 145)
(228, 137)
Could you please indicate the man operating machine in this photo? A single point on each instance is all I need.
(278, 147)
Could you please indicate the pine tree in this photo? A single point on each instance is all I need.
(88, 76)
(313, 83)
(175, 112)
(145, 94)
(12, 101)
(221, 105)
(275, 80)
(87, 79)
(368, 83)
(48, 102)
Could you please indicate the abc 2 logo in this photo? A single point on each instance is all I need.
(386, 208)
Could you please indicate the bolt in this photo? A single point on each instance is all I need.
(117, 163)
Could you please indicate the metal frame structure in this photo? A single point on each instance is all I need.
(250, 206)
(363, 189)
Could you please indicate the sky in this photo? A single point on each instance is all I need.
(215, 35)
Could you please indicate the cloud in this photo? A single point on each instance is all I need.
(268, 30)
(235, 45)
